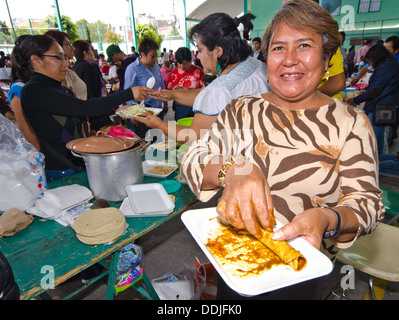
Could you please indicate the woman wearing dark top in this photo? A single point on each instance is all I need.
(85, 56)
(89, 72)
(51, 109)
(383, 86)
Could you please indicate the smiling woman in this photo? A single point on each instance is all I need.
(54, 113)
(293, 153)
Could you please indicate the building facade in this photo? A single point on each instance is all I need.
(360, 19)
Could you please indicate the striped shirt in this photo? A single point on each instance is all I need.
(315, 157)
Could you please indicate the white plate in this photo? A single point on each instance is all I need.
(165, 145)
(155, 111)
(128, 212)
(201, 222)
(148, 164)
(149, 198)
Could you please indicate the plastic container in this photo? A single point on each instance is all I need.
(185, 121)
(120, 132)
(171, 185)
(149, 198)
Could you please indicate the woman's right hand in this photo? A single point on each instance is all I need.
(246, 200)
(140, 93)
(162, 94)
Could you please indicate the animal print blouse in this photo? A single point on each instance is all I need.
(315, 157)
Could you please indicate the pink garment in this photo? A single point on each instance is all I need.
(165, 74)
(361, 53)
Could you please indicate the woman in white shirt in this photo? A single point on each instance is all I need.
(223, 53)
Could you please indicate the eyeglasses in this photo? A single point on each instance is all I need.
(59, 58)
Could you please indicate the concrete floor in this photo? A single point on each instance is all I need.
(171, 245)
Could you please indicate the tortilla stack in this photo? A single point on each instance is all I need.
(98, 226)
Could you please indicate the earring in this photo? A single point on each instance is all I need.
(218, 68)
(328, 74)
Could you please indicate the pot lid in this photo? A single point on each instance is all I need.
(100, 144)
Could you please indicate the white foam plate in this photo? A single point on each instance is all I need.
(149, 198)
(148, 164)
(165, 145)
(128, 212)
(201, 222)
(155, 111)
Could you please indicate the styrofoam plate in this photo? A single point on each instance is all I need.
(149, 198)
(201, 222)
(148, 164)
(155, 112)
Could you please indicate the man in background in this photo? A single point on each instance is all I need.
(118, 57)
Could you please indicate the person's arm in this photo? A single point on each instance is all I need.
(62, 104)
(361, 73)
(23, 124)
(184, 97)
(334, 85)
(178, 133)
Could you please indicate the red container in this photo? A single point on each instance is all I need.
(120, 132)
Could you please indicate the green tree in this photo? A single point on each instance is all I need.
(113, 37)
(83, 26)
(50, 22)
(146, 31)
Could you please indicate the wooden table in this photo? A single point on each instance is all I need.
(46, 245)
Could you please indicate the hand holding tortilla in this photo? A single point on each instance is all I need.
(284, 251)
(250, 207)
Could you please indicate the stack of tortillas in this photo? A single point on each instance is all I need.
(99, 226)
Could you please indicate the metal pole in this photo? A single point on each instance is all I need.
(245, 6)
(12, 25)
(186, 42)
(133, 25)
(30, 24)
(57, 12)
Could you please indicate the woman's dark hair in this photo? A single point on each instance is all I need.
(183, 54)
(59, 36)
(376, 55)
(25, 47)
(147, 45)
(81, 46)
(394, 40)
(219, 29)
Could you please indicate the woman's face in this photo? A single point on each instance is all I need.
(149, 59)
(52, 63)
(90, 55)
(185, 65)
(208, 58)
(69, 50)
(294, 63)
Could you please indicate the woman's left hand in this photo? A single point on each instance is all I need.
(310, 225)
(149, 121)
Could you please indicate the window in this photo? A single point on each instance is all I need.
(369, 6)
(332, 6)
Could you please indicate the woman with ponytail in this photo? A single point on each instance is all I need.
(20, 74)
(224, 53)
(53, 111)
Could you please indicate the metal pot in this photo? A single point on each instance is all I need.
(109, 173)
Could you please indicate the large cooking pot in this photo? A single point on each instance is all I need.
(111, 164)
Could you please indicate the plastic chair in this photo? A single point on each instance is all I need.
(375, 254)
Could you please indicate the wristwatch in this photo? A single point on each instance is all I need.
(335, 232)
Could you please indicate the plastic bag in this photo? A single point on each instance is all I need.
(21, 169)
(129, 269)
(182, 284)
(206, 272)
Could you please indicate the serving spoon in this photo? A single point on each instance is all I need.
(150, 85)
